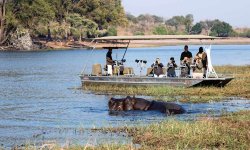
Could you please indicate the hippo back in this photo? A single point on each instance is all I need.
(158, 105)
(141, 104)
(174, 108)
(165, 107)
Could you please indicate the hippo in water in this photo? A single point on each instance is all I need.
(133, 103)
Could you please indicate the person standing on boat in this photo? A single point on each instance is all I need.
(109, 61)
(157, 68)
(186, 58)
(200, 61)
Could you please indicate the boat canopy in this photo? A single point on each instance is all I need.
(156, 37)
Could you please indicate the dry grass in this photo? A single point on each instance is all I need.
(231, 131)
(228, 132)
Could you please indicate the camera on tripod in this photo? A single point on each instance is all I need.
(140, 61)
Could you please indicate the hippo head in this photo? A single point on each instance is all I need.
(115, 104)
(129, 103)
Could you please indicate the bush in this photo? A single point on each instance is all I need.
(160, 30)
(139, 33)
(248, 34)
(112, 31)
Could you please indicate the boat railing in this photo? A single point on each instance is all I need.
(97, 70)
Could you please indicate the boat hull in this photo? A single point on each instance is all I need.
(151, 81)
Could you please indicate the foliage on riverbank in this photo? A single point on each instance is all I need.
(227, 132)
(59, 19)
(238, 87)
(231, 131)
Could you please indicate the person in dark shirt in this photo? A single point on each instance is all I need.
(186, 58)
(157, 68)
(109, 60)
(171, 68)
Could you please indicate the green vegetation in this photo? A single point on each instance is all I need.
(196, 29)
(238, 87)
(60, 18)
(221, 29)
(227, 132)
(230, 131)
(150, 24)
(160, 30)
(78, 19)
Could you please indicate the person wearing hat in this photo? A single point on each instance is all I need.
(200, 61)
(171, 68)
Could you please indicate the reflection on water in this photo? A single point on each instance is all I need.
(38, 100)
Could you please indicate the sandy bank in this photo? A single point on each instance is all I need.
(155, 43)
(59, 45)
(152, 43)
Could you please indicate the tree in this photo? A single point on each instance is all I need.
(189, 19)
(158, 19)
(104, 12)
(208, 25)
(248, 33)
(30, 13)
(160, 30)
(40, 16)
(196, 29)
(131, 18)
(2, 21)
(176, 21)
(81, 25)
(222, 29)
(61, 8)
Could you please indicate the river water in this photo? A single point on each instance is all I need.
(40, 98)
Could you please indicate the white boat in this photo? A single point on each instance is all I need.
(97, 77)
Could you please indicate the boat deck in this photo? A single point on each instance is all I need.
(154, 81)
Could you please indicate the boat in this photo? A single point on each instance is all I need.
(129, 78)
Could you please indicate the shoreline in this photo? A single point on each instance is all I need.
(70, 45)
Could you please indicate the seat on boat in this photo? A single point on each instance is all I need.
(96, 70)
(164, 70)
(197, 75)
(115, 70)
(118, 70)
(128, 71)
(149, 72)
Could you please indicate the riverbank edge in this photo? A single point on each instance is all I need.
(72, 45)
(228, 131)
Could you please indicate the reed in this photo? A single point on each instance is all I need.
(228, 132)
(231, 131)
(239, 87)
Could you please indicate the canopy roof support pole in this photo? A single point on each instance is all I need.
(93, 47)
(126, 50)
(210, 69)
